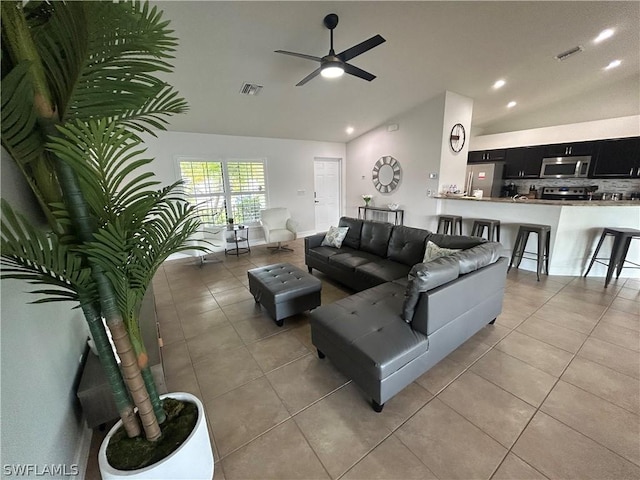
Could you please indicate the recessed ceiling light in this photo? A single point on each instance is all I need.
(499, 84)
(349, 130)
(603, 35)
(614, 64)
(511, 104)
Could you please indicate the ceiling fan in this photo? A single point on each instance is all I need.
(333, 65)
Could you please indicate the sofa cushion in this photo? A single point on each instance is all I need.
(479, 256)
(426, 276)
(382, 270)
(352, 239)
(323, 253)
(433, 251)
(406, 245)
(375, 237)
(335, 237)
(368, 329)
(455, 241)
(352, 259)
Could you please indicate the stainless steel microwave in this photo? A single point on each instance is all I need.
(565, 167)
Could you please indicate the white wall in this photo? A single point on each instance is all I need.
(575, 132)
(290, 180)
(40, 351)
(421, 145)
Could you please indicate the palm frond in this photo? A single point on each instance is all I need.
(101, 58)
(30, 254)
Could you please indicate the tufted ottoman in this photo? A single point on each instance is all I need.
(284, 290)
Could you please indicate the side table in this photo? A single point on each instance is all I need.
(240, 235)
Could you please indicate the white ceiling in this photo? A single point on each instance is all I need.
(431, 47)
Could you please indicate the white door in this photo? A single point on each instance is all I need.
(327, 192)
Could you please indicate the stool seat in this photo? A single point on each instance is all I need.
(492, 226)
(621, 240)
(448, 223)
(542, 255)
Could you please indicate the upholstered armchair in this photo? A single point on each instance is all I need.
(278, 227)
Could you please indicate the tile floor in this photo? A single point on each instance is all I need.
(552, 390)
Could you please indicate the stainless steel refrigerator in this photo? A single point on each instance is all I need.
(486, 177)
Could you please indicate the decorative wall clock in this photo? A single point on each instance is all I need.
(386, 174)
(457, 137)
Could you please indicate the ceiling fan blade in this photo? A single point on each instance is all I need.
(359, 49)
(358, 72)
(313, 74)
(301, 55)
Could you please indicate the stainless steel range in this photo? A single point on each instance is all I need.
(566, 193)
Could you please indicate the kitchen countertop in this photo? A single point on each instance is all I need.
(537, 201)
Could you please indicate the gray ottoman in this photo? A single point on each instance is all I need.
(284, 290)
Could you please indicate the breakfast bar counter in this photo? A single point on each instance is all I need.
(575, 227)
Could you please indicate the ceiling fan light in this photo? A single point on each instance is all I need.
(332, 70)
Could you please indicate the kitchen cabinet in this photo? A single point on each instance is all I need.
(570, 149)
(479, 156)
(617, 158)
(523, 162)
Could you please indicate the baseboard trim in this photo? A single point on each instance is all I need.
(82, 452)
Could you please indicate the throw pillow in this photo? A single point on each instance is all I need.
(335, 237)
(433, 251)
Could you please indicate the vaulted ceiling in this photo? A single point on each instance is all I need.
(430, 47)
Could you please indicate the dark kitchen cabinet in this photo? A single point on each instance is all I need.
(570, 149)
(480, 156)
(523, 162)
(617, 158)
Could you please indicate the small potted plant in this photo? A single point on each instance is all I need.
(367, 198)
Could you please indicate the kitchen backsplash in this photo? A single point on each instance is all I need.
(614, 185)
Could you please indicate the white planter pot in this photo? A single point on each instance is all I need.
(193, 460)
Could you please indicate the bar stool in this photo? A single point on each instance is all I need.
(542, 255)
(492, 226)
(621, 239)
(449, 223)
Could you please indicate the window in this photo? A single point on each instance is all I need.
(225, 189)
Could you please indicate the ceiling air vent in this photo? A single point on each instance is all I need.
(569, 53)
(250, 89)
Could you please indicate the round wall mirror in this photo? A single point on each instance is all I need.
(386, 174)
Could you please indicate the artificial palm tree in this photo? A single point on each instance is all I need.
(78, 62)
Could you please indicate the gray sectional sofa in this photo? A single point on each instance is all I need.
(408, 315)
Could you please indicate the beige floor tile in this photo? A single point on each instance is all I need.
(303, 333)
(622, 319)
(572, 304)
(605, 383)
(213, 339)
(223, 371)
(511, 319)
(390, 460)
(184, 380)
(566, 318)
(630, 293)
(600, 297)
(494, 410)
(256, 328)
(232, 296)
(341, 429)
(621, 336)
(403, 405)
(175, 357)
(260, 459)
(602, 421)
(277, 350)
(198, 323)
(547, 332)
(244, 310)
(440, 375)
(560, 452)
(171, 332)
(617, 358)
(520, 304)
(491, 334)
(244, 413)
(541, 355)
(304, 381)
(468, 352)
(192, 307)
(515, 376)
(224, 284)
(449, 445)
(514, 468)
(624, 305)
